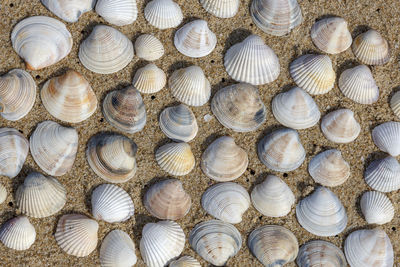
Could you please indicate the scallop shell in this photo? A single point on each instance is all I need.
(76, 234)
(3, 193)
(273, 197)
(295, 109)
(239, 107)
(124, 109)
(14, 149)
(54, 147)
(322, 213)
(163, 14)
(117, 250)
(69, 97)
(148, 47)
(41, 41)
(386, 137)
(313, 73)
(395, 104)
(17, 94)
(69, 10)
(252, 61)
(167, 200)
(185, 261)
(376, 208)
(383, 175)
(106, 50)
(221, 8)
(223, 160)
(150, 79)
(18, 233)
(175, 158)
(40, 196)
(281, 150)
(215, 241)
(320, 253)
(371, 48)
(340, 126)
(117, 12)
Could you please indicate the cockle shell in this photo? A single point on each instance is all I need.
(17, 94)
(386, 137)
(148, 47)
(224, 160)
(395, 104)
(76, 234)
(340, 126)
(117, 250)
(221, 8)
(252, 61)
(215, 241)
(69, 10)
(320, 253)
(239, 107)
(163, 14)
(295, 109)
(371, 48)
(14, 149)
(150, 79)
(119, 12)
(18, 233)
(40, 196)
(3, 193)
(185, 261)
(175, 158)
(383, 175)
(41, 41)
(106, 50)
(376, 208)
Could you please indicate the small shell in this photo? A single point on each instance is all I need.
(14, 148)
(117, 12)
(376, 208)
(223, 160)
(252, 61)
(175, 158)
(106, 50)
(76, 234)
(17, 94)
(371, 48)
(295, 109)
(185, 261)
(18, 233)
(273, 245)
(124, 109)
(150, 79)
(215, 241)
(69, 10)
(221, 8)
(54, 147)
(148, 47)
(40, 196)
(239, 107)
(3, 193)
(395, 104)
(340, 126)
(190, 86)
(320, 253)
(161, 242)
(117, 250)
(273, 197)
(163, 14)
(167, 200)
(386, 137)
(359, 85)
(322, 213)
(313, 73)
(383, 175)
(281, 150)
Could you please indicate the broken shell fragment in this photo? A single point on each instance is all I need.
(3, 193)
(376, 208)
(117, 12)
(163, 14)
(117, 250)
(14, 148)
(340, 126)
(150, 79)
(383, 175)
(221, 8)
(185, 261)
(371, 48)
(148, 47)
(386, 137)
(18, 233)
(320, 253)
(69, 10)
(395, 104)
(175, 158)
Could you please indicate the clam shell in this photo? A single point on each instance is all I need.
(252, 61)
(150, 79)
(18, 233)
(376, 208)
(320, 253)
(395, 104)
(386, 137)
(223, 160)
(239, 107)
(340, 126)
(69, 10)
(148, 47)
(14, 149)
(3, 193)
(117, 250)
(163, 14)
(117, 12)
(185, 261)
(383, 175)
(371, 48)
(175, 158)
(221, 8)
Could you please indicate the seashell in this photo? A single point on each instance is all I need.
(112, 157)
(221, 8)
(150, 79)
(41, 41)
(124, 109)
(185, 261)
(54, 147)
(273, 197)
(175, 158)
(106, 50)
(383, 175)
(178, 123)
(281, 150)
(371, 48)
(161, 242)
(322, 213)
(14, 149)
(18, 233)
(359, 85)
(190, 86)
(239, 107)
(226, 202)
(320, 253)
(148, 47)
(215, 241)
(340, 126)
(329, 168)
(273, 245)
(163, 14)
(313, 73)
(386, 137)
(331, 35)
(376, 208)
(69, 10)
(167, 200)
(3, 193)
(17, 94)
(252, 61)
(223, 160)
(120, 12)
(69, 97)
(276, 17)
(40, 196)
(117, 250)
(395, 104)
(368, 248)
(76, 234)
(295, 109)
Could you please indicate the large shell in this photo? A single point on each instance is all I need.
(215, 241)
(163, 14)
(69, 10)
(371, 48)
(150, 79)
(175, 158)
(41, 41)
(40, 196)
(386, 137)
(148, 47)
(239, 107)
(320, 253)
(383, 174)
(252, 61)
(223, 160)
(221, 8)
(18, 233)
(54, 147)
(340, 126)
(395, 104)
(117, 12)
(106, 50)
(3, 193)
(376, 207)
(117, 250)
(185, 261)
(14, 149)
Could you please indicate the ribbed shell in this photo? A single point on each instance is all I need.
(383, 175)
(221, 8)
(150, 79)
(69, 10)
(371, 48)
(185, 261)
(340, 126)
(395, 104)
(117, 250)
(175, 158)
(319, 253)
(14, 148)
(3, 193)
(148, 47)
(18, 233)
(163, 14)
(117, 12)
(376, 208)
(386, 137)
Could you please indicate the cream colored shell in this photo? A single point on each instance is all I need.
(163, 14)
(371, 48)
(175, 158)
(148, 47)
(221, 8)
(149, 79)
(117, 12)
(117, 250)
(340, 126)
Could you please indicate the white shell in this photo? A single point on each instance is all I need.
(3, 193)
(376, 208)
(150, 79)
(14, 148)
(117, 250)
(340, 126)
(175, 158)
(386, 137)
(185, 261)
(371, 48)
(319, 253)
(69, 10)
(18, 233)
(221, 8)
(148, 47)
(117, 12)
(395, 104)
(163, 14)
(383, 175)
(252, 61)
